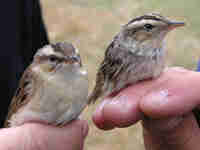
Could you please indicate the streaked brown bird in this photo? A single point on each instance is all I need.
(136, 53)
(52, 90)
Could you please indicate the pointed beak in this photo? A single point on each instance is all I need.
(175, 24)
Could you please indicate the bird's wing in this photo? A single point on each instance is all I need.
(118, 59)
(22, 94)
(109, 70)
(100, 78)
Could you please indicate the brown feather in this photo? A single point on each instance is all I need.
(110, 70)
(22, 94)
(96, 93)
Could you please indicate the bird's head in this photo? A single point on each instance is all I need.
(149, 29)
(57, 57)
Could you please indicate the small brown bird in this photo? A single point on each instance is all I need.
(136, 53)
(52, 90)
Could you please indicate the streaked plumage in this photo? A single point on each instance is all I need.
(136, 53)
(52, 90)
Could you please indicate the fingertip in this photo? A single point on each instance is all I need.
(103, 125)
(120, 111)
(99, 119)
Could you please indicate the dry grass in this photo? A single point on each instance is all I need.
(90, 25)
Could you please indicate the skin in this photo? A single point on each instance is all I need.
(164, 105)
(34, 136)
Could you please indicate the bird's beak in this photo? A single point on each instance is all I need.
(175, 24)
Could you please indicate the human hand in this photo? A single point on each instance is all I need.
(33, 136)
(164, 104)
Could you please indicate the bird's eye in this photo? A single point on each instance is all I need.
(53, 58)
(148, 27)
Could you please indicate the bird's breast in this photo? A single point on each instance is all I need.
(61, 97)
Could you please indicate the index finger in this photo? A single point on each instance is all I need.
(179, 87)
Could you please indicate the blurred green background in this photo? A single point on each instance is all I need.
(91, 25)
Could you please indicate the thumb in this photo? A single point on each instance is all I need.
(43, 137)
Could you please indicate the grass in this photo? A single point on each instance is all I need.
(91, 25)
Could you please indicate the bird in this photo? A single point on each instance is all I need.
(52, 90)
(136, 53)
